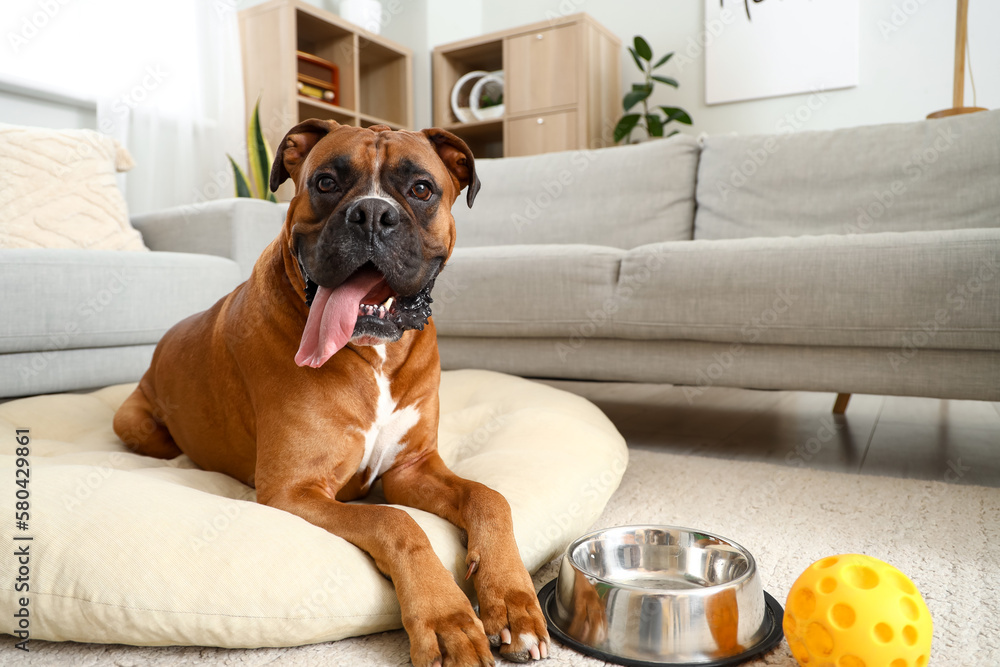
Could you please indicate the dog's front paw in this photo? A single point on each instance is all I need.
(509, 609)
(447, 633)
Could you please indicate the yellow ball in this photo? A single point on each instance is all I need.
(857, 611)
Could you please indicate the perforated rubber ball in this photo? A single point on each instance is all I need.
(857, 611)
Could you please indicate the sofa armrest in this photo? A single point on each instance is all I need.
(239, 229)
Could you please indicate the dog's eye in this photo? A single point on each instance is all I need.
(326, 184)
(421, 190)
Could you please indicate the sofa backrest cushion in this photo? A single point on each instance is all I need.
(620, 197)
(922, 176)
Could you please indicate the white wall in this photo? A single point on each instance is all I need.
(906, 60)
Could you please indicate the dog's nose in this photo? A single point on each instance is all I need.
(373, 212)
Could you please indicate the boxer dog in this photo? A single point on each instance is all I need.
(319, 375)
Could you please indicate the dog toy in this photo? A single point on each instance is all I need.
(857, 611)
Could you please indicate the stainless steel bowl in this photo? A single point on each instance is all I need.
(662, 594)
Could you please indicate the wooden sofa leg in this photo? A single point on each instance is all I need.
(840, 405)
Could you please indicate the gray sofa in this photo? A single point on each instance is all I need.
(863, 260)
(78, 319)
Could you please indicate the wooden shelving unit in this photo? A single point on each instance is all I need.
(376, 74)
(561, 90)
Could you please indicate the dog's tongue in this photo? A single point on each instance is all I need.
(332, 317)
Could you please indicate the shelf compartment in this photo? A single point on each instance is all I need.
(451, 65)
(385, 82)
(333, 43)
(312, 108)
(484, 137)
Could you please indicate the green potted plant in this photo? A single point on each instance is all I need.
(650, 121)
(260, 156)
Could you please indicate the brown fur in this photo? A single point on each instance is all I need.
(224, 389)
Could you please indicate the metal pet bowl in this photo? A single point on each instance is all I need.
(661, 595)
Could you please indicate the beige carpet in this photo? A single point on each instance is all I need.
(945, 537)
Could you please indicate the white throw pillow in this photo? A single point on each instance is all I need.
(59, 191)
(135, 550)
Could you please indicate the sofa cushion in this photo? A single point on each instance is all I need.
(619, 197)
(525, 290)
(905, 291)
(49, 370)
(928, 175)
(59, 190)
(237, 228)
(68, 299)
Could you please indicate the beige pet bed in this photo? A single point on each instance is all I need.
(135, 550)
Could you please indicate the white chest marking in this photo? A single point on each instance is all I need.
(384, 438)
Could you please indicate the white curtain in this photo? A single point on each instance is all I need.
(167, 77)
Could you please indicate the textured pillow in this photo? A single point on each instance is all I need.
(59, 190)
(135, 550)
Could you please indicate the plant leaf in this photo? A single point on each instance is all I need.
(667, 80)
(678, 114)
(654, 125)
(642, 86)
(673, 133)
(240, 179)
(663, 60)
(642, 48)
(635, 57)
(634, 97)
(625, 125)
(259, 153)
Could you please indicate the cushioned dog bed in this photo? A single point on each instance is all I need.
(135, 550)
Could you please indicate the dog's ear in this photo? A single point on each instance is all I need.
(458, 158)
(294, 147)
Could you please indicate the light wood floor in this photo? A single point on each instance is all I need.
(919, 438)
